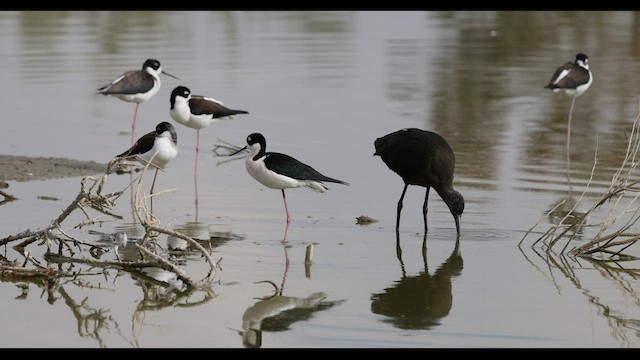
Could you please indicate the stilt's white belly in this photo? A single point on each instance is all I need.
(140, 98)
(182, 114)
(272, 180)
(164, 152)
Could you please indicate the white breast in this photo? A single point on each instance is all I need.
(259, 171)
(180, 111)
(139, 98)
(162, 152)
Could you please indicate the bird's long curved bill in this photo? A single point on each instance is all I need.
(175, 77)
(244, 148)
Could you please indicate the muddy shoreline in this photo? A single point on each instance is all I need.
(24, 168)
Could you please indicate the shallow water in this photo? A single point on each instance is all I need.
(322, 86)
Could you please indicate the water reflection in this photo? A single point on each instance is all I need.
(202, 234)
(6, 197)
(81, 288)
(287, 262)
(134, 230)
(196, 230)
(621, 312)
(277, 313)
(161, 290)
(624, 324)
(566, 213)
(421, 301)
(482, 111)
(119, 243)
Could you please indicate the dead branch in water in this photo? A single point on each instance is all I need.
(92, 199)
(613, 238)
(7, 197)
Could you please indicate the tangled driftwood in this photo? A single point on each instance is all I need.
(63, 248)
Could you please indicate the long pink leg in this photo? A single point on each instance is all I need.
(195, 175)
(573, 100)
(133, 125)
(286, 208)
(284, 240)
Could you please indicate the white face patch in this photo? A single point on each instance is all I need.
(254, 149)
(584, 64)
(182, 101)
(155, 73)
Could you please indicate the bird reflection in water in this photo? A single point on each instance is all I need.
(419, 302)
(277, 312)
(565, 214)
(122, 245)
(180, 250)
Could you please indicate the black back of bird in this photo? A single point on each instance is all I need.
(419, 157)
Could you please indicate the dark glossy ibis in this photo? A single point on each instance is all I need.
(422, 158)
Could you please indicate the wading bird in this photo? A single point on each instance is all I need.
(136, 86)
(156, 148)
(422, 158)
(280, 171)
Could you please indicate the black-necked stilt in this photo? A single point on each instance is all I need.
(136, 86)
(573, 78)
(197, 112)
(156, 148)
(422, 158)
(280, 171)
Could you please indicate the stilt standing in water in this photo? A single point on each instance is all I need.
(573, 78)
(156, 148)
(280, 171)
(197, 112)
(136, 86)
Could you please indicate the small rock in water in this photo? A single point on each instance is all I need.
(364, 220)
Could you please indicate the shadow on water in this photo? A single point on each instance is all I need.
(421, 301)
